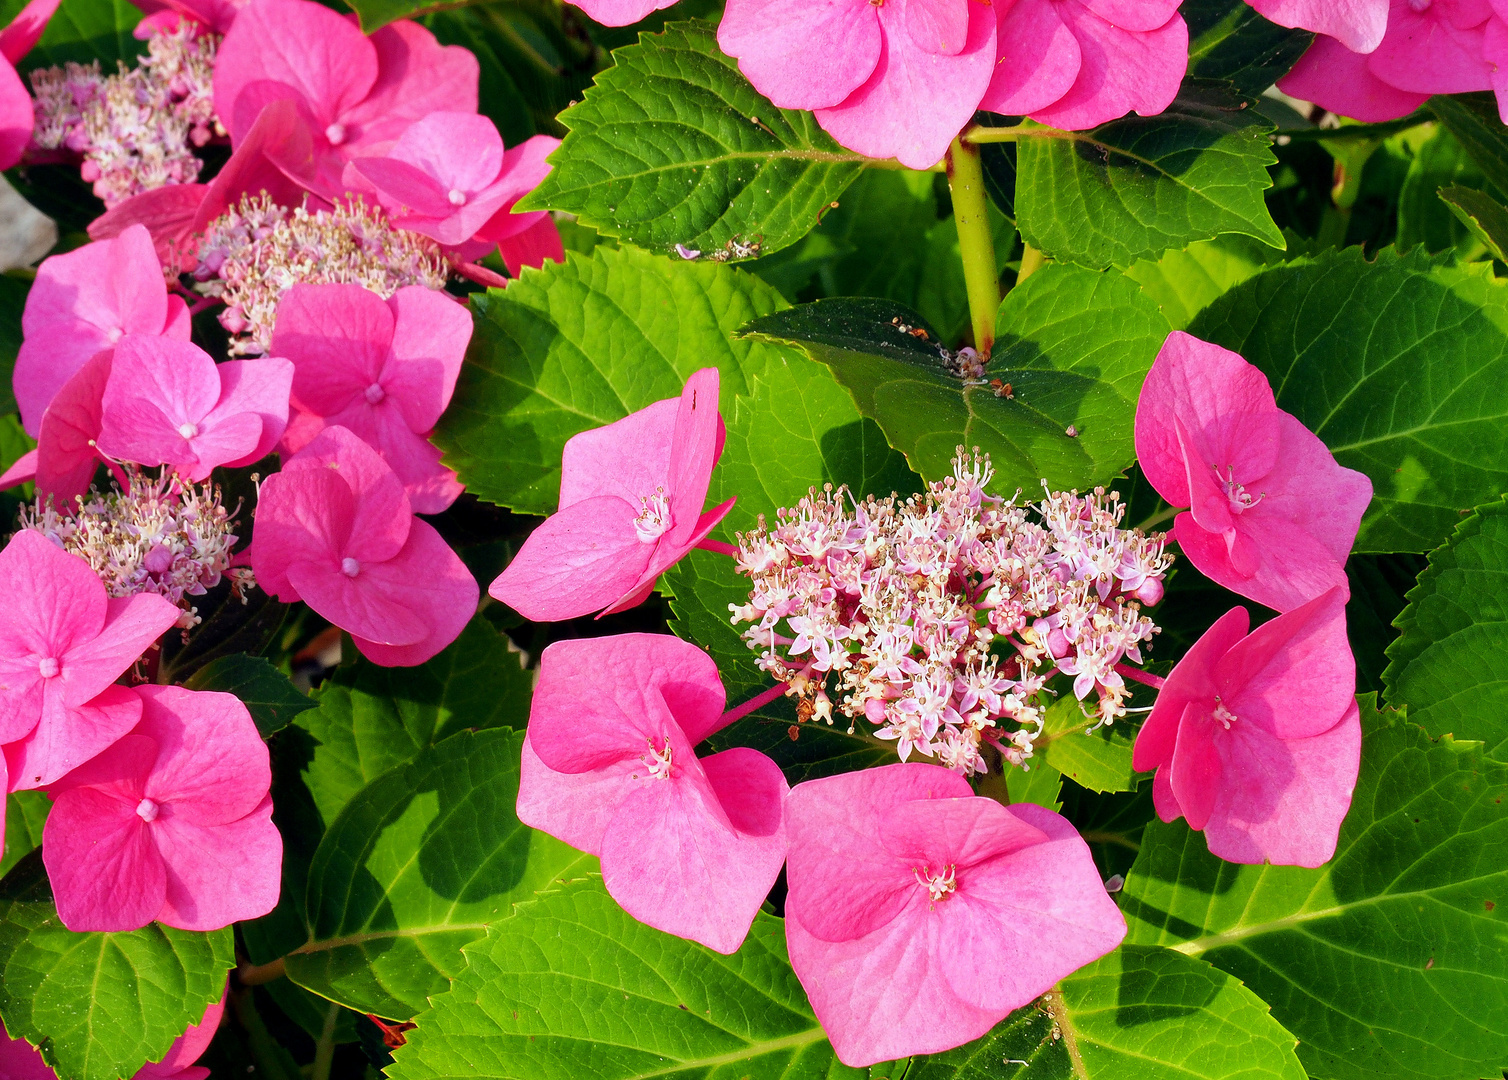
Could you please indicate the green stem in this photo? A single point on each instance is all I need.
(324, 1050)
(980, 134)
(257, 974)
(1166, 514)
(976, 245)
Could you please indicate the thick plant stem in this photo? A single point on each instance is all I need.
(976, 246)
(324, 1050)
(257, 974)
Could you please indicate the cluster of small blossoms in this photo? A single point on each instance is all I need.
(257, 250)
(940, 618)
(161, 535)
(137, 129)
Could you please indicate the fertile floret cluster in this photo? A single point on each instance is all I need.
(257, 250)
(136, 129)
(161, 535)
(940, 618)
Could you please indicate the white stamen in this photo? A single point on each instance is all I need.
(658, 761)
(1241, 500)
(938, 886)
(146, 810)
(375, 393)
(188, 431)
(1222, 714)
(350, 567)
(49, 667)
(654, 520)
(457, 197)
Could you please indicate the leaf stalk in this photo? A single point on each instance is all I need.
(976, 245)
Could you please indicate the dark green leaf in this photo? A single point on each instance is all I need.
(25, 813)
(99, 1005)
(1400, 365)
(230, 627)
(1099, 760)
(1137, 186)
(1186, 282)
(81, 31)
(1450, 662)
(13, 293)
(1073, 344)
(1473, 120)
(1484, 216)
(1110, 824)
(265, 691)
(1378, 584)
(673, 146)
(417, 865)
(1388, 961)
(1229, 40)
(1423, 218)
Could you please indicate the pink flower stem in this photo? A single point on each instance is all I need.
(708, 544)
(1156, 682)
(740, 711)
(203, 304)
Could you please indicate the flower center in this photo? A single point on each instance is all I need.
(658, 761)
(336, 133)
(114, 334)
(1222, 714)
(457, 197)
(938, 886)
(147, 810)
(1241, 500)
(49, 667)
(654, 520)
(188, 431)
(375, 393)
(350, 567)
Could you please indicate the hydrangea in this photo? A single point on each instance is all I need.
(939, 618)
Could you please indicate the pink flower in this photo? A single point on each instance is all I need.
(689, 845)
(1359, 24)
(450, 178)
(1256, 738)
(85, 301)
(620, 12)
(335, 529)
(63, 643)
(1075, 64)
(213, 15)
(384, 369)
(19, 1060)
(66, 458)
(631, 496)
(1431, 47)
(1272, 516)
(17, 117)
(920, 914)
(898, 79)
(172, 823)
(356, 94)
(168, 403)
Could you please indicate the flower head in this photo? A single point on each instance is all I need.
(172, 823)
(631, 496)
(63, 643)
(1075, 64)
(335, 529)
(1272, 515)
(919, 914)
(1256, 738)
(383, 369)
(689, 845)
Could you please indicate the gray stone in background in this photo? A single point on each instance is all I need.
(26, 234)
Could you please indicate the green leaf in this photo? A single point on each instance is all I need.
(1186, 282)
(1400, 365)
(1473, 120)
(572, 986)
(1040, 784)
(1099, 760)
(673, 146)
(1229, 40)
(1073, 344)
(1484, 216)
(25, 814)
(1387, 961)
(417, 865)
(501, 99)
(1137, 186)
(100, 1005)
(265, 691)
(1139, 1012)
(1450, 662)
(1378, 584)
(81, 31)
(1423, 218)
(13, 294)
(581, 344)
(371, 719)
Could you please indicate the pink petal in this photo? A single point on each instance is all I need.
(416, 76)
(167, 213)
(17, 117)
(1308, 488)
(533, 246)
(667, 555)
(579, 561)
(1333, 77)
(1122, 71)
(105, 870)
(1197, 772)
(1294, 675)
(24, 468)
(404, 189)
(802, 55)
(1425, 53)
(70, 736)
(221, 874)
(54, 600)
(25, 30)
(430, 486)
(314, 51)
(1209, 503)
(431, 580)
(157, 388)
(693, 452)
(751, 789)
(257, 388)
(1039, 58)
(938, 26)
(1192, 679)
(337, 337)
(428, 344)
(1284, 799)
(187, 1048)
(121, 770)
(620, 12)
(360, 604)
(1163, 799)
(212, 765)
(380, 523)
(132, 625)
(1307, 568)
(1359, 24)
(276, 155)
(627, 459)
(572, 807)
(303, 516)
(1139, 16)
(915, 102)
(460, 151)
(843, 883)
(961, 832)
